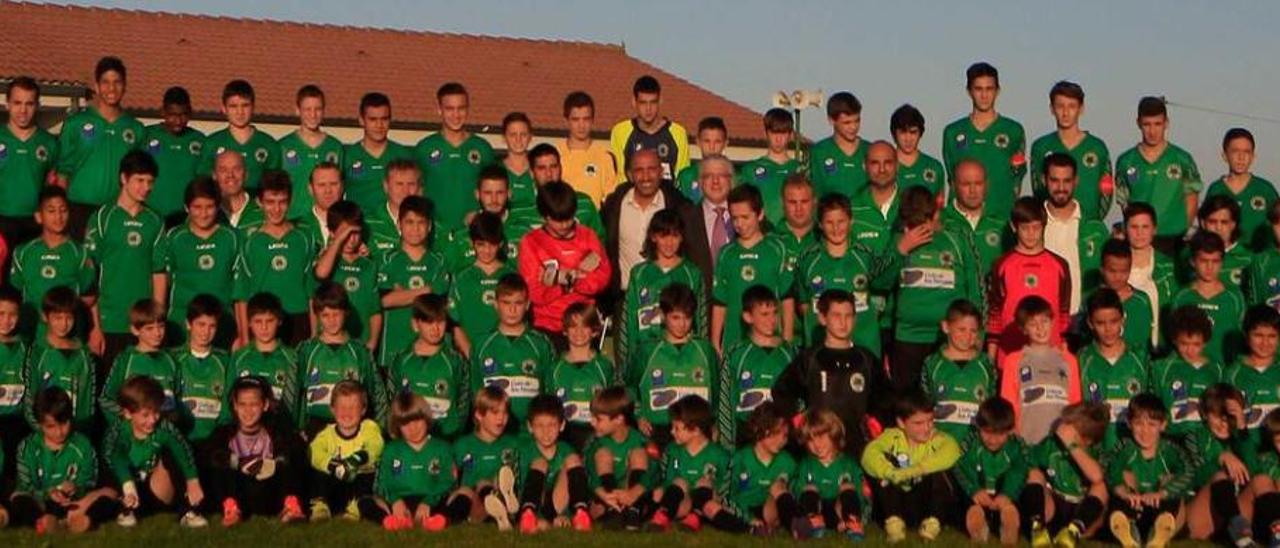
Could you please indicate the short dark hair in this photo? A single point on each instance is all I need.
(1028, 209)
(430, 307)
(757, 295)
(450, 88)
(373, 99)
(545, 404)
(832, 297)
(486, 227)
(1135, 209)
(1058, 159)
(237, 88)
(543, 149)
(1152, 106)
(578, 99)
(1102, 299)
(1219, 202)
(417, 205)
(665, 221)
(54, 403)
(330, 296)
(995, 414)
(963, 308)
(912, 402)
(493, 172)
(834, 201)
(50, 192)
(842, 103)
(309, 91)
(764, 420)
(265, 303)
(204, 304)
(778, 120)
(677, 297)
(344, 211)
(557, 201)
(1204, 241)
(906, 117)
(645, 84)
(747, 194)
(1237, 133)
(24, 82)
(10, 294)
(201, 187)
(177, 96)
(1189, 320)
(1030, 307)
(1148, 405)
(1117, 248)
(140, 392)
(694, 412)
(980, 69)
(510, 284)
(1068, 89)
(107, 64)
(1261, 316)
(1213, 401)
(918, 206)
(712, 122)
(60, 298)
(137, 162)
(275, 181)
(514, 118)
(612, 402)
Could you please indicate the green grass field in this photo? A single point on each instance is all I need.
(163, 532)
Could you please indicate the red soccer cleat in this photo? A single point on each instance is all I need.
(691, 523)
(582, 520)
(435, 523)
(528, 522)
(230, 512)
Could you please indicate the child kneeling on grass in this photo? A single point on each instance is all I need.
(696, 469)
(1150, 477)
(543, 458)
(617, 451)
(416, 475)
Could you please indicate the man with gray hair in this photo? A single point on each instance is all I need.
(238, 208)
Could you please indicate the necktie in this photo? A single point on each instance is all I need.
(719, 234)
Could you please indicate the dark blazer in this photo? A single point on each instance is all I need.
(696, 245)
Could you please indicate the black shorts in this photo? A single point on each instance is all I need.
(1064, 511)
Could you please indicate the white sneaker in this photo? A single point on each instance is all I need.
(507, 488)
(192, 520)
(498, 511)
(127, 520)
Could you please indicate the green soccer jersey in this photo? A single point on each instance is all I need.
(516, 364)
(663, 373)
(159, 365)
(1163, 183)
(197, 265)
(1112, 383)
(441, 380)
(203, 390)
(449, 175)
(122, 246)
(854, 271)
(68, 369)
(746, 381)
(363, 173)
(280, 369)
(831, 170)
(873, 224)
(752, 477)
(1000, 148)
(1234, 265)
(298, 158)
(24, 164)
(798, 244)
(958, 387)
(1180, 384)
(324, 365)
(472, 300)
(987, 237)
(768, 175)
(827, 478)
(89, 152)
(528, 451)
(1060, 469)
(13, 364)
(935, 273)
(458, 250)
(522, 191)
(1001, 472)
(1225, 310)
(575, 383)
(619, 451)
(1254, 199)
(248, 219)
(400, 270)
(1262, 280)
(642, 318)
(360, 280)
(1172, 469)
(711, 462)
(766, 262)
(281, 266)
(927, 172)
(687, 183)
(260, 152)
(132, 459)
(479, 460)
(178, 157)
(41, 469)
(405, 471)
(1095, 186)
(383, 230)
(1138, 323)
(37, 268)
(1261, 387)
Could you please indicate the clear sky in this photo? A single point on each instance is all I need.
(1219, 55)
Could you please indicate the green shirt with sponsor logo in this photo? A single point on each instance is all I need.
(441, 379)
(662, 373)
(159, 365)
(323, 365)
(1163, 183)
(177, 156)
(472, 297)
(298, 159)
(1171, 470)
(642, 318)
(751, 477)
(1261, 387)
(449, 175)
(856, 272)
(827, 478)
(479, 460)
(37, 268)
(13, 366)
(987, 238)
(1001, 472)
(710, 462)
(360, 280)
(1179, 384)
(89, 152)
(958, 387)
(746, 381)
(132, 459)
(620, 452)
(122, 246)
(24, 164)
(260, 152)
(203, 391)
(1093, 172)
(363, 174)
(1225, 310)
(516, 364)
(930, 278)
(927, 172)
(1000, 148)
(41, 469)
(72, 370)
(1262, 279)
(576, 383)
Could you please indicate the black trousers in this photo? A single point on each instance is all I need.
(932, 497)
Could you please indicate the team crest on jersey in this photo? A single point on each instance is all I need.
(699, 375)
(474, 157)
(488, 297)
(980, 393)
(709, 470)
(260, 155)
(946, 258)
(48, 272)
(133, 238)
(490, 366)
(128, 136)
(857, 382)
(663, 150)
(1257, 203)
(195, 148)
(279, 263)
(205, 262)
(829, 165)
(929, 176)
(416, 282)
(1031, 280)
(1090, 159)
(1090, 247)
(1236, 276)
(42, 153)
(442, 387)
(528, 366)
(657, 378)
(1002, 140)
(331, 156)
(1133, 387)
(87, 131)
(291, 157)
(748, 273)
(1174, 171)
(434, 467)
(351, 284)
(590, 169)
(860, 282)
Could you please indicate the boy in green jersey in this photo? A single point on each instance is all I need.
(909, 465)
(433, 369)
(1096, 185)
(60, 359)
(1110, 373)
(1139, 328)
(712, 139)
(827, 481)
(768, 171)
(514, 357)
(308, 147)
(517, 131)
(486, 460)
(473, 292)
(13, 369)
(403, 179)
(365, 162)
(196, 258)
(203, 373)
(121, 238)
(451, 158)
(1262, 281)
(1224, 467)
(695, 469)
(617, 451)
(139, 451)
(1160, 173)
(675, 367)
(277, 258)
(580, 373)
(1150, 477)
(835, 163)
(665, 264)
(50, 260)
(26, 163)
(1180, 378)
(57, 474)
(543, 458)
(997, 142)
(405, 273)
(416, 474)
(959, 376)
(345, 455)
(333, 356)
(915, 168)
(176, 148)
(266, 356)
(1252, 193)
(1222, 302)
(147, 358)
(1255, 372)
(752, 258)
(760, 498)
(1066, 489)
(93, 142)
(751, 366)
(991, 472)
(346, 262)
(1221, 215)
(254, 464)
(258, 150)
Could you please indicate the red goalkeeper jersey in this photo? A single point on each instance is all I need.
(1016, 276)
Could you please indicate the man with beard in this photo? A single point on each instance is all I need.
(1068, 233)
